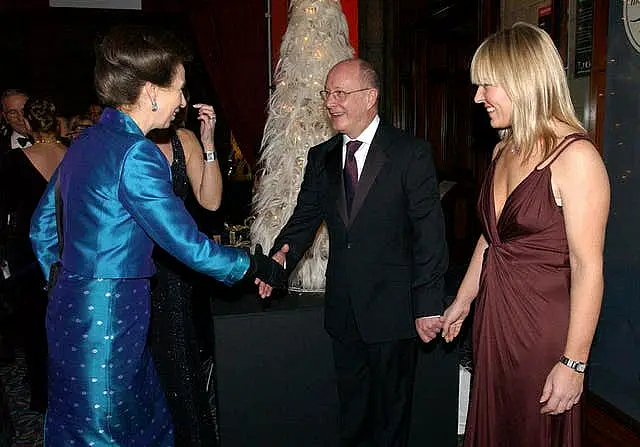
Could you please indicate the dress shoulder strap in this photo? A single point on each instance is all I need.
(180, 178)
(500, 151)
(565, 143)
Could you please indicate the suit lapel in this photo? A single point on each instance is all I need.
(334, 168)
(376, 158)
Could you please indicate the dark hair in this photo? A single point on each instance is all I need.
(129, 56)
(41, 115)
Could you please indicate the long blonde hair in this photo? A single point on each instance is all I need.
(525, 62)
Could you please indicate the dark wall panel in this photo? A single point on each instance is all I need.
(615, 369)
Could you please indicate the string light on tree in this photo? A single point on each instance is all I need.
(317, 38)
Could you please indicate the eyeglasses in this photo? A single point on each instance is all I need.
(340, 95)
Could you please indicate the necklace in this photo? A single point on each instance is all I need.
(47, 140)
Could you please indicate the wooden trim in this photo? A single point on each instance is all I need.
(488, 18)
(598, 81)
(607, 426)
(559, 26)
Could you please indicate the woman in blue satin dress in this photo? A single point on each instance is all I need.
(116, 201)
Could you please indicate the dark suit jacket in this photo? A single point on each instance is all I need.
(388, 259)
(5, 143)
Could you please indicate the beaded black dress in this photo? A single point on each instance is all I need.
(173, 339)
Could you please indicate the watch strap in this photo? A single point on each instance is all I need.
(573, 364)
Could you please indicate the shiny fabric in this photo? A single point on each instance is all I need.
(521, 318)
(173, 338)
(103, 387)
(117, 199)
(123, 182)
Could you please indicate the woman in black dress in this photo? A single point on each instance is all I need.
(172, 335)
(24, 174)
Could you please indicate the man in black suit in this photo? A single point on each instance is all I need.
(16, 135)
(376, 189)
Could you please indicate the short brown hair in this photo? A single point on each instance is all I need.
(129, 56)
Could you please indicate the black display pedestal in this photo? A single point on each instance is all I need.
(276, 382)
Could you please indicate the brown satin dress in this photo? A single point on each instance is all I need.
(521, 317)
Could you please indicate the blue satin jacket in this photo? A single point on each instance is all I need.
(117, 199)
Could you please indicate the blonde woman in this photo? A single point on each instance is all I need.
(536, 272)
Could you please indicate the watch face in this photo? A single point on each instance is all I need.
(580, 367)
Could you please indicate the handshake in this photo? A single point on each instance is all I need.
(269, 273)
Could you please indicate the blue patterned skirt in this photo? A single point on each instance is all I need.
(103, 387)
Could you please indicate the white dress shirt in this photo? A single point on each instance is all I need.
(366, 137)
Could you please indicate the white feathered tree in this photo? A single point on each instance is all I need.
(316, 38)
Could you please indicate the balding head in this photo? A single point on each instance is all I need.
(352, 96)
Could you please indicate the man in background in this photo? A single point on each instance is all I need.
(16, 134)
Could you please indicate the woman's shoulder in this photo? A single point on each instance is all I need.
(574, 146)
(186, 136)
(188, 140)
(577, 158)
(184, 132)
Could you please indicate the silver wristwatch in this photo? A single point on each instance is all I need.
(574, 364)
(210, 156)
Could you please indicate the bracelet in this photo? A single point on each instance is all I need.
(210, 156)
(575, 365)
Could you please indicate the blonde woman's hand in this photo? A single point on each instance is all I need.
(562, 390)
(453, 318)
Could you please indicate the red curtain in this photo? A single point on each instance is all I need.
(232, 40)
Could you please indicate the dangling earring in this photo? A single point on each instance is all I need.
(154, 105)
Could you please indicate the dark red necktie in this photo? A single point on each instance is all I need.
(351, 172)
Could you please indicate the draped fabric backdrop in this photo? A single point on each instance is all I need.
(232, 40)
